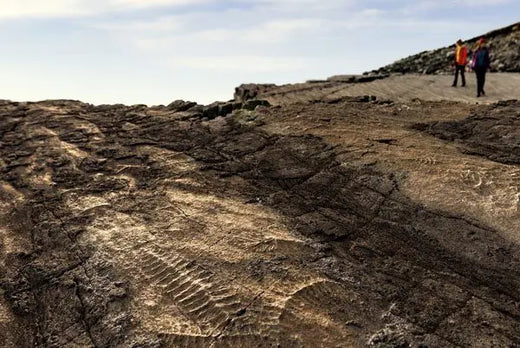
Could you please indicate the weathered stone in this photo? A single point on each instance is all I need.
(252, 104)
(246, 92)
(367, 77)
(224, 109)
(180, 105)
(211, 111)
(485, 133)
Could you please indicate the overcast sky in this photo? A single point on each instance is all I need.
(156, 51)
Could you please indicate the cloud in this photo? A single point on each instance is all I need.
(275, 31)
(137, 28)
(429, 5)
(152, 3)
(73, 8)
(256, 64)
(481, 2)
(192, 31)
(297, 8)
(36, 8)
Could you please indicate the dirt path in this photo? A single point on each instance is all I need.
(499, 86)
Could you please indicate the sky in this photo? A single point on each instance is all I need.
(156, 51)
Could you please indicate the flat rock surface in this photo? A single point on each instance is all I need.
(403, 88)
(324, 220)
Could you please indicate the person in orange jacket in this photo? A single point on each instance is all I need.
(461, 59)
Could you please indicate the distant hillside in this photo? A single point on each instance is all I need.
(504, 47)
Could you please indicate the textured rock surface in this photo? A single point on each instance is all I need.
(400, 88)
(249, 91)
(333, 222)
(492, 132)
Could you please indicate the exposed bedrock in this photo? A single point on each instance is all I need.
(491, 131)
(390, 272)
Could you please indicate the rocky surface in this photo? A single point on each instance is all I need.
(255, 92)
(329, 222)
(504, 45)
(492, 132)
(399, 88)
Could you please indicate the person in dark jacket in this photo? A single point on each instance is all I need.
(461, 59)
(480, 64)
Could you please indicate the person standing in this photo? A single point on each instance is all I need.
(461, 59)
(480, 64)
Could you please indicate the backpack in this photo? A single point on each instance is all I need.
(479, 59)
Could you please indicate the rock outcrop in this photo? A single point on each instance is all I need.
(249, 91)
(301, 224)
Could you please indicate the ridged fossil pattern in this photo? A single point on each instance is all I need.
(189, 286)
(224, 319)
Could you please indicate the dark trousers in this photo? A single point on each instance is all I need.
(481, 80)
(460, 68)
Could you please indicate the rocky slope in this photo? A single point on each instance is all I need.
(504, 45)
